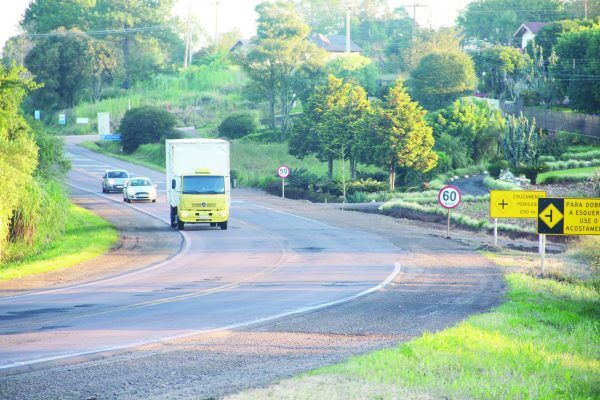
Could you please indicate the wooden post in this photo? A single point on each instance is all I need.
(495, 231)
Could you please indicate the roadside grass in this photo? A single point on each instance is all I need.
(86, 236)
(567, 175)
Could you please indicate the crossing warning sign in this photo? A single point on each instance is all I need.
(514, 203)
(568, 216)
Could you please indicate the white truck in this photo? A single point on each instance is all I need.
(198, 185)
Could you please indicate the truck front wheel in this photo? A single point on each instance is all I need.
(180, 225)
(223, 225)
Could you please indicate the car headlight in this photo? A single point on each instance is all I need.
(111, 181)
(131, 191)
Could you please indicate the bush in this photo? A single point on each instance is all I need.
(588, 155)
(238, 125)
(496, 167)
(366, 186)
(144, 125)
(531, 171)
(554, 143)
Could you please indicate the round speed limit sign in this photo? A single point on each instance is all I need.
(449, 196)
(283, 171)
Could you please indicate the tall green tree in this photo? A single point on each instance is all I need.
(335, 117)
(442, 77)
(495, 21)
(496, 66)
(474, 123)
(69, 63)
(44, 16)
(357, 68)
(578, 68)
(400, 136)
(281, 62)
(548, 36)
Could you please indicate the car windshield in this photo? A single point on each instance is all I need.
(140, 182)
(118, 174)
(203, 185)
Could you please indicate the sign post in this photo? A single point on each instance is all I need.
(449, 197)
(513, 204)
(283, 172)
(103, 123)
(62, 119)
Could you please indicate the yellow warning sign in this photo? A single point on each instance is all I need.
(514, 203)
(571, 216)
(551, 216)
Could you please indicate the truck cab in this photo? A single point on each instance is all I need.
(198, 182)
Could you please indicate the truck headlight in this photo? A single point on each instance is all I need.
(223, 213)
(185, 214)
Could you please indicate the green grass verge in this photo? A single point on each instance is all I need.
(86, 236)
(542, 343)
(498, 184)
(567, 175)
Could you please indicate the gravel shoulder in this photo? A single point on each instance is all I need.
(142, 242)
(442, 281)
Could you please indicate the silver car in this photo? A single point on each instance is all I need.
(114, 180)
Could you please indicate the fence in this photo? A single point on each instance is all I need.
(584, 124)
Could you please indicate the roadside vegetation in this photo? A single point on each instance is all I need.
(84, 237)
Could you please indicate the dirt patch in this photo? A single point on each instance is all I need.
(142, 242)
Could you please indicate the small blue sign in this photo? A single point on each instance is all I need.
(62, 119)
(115, 136)
(36, 115)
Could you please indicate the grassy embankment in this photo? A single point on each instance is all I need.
(542, 343)
(199, 96)
(86, 236)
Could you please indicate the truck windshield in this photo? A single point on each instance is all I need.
(203, 185)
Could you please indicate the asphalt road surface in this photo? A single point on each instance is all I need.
(266, 265)
(339, 287)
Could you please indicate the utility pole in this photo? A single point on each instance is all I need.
(585, 9)
(348, 28)
(414, 30)
(188, 50)
(216, 25)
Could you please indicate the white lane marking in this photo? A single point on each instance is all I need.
(291, 215)
(397, 270)
(184, 249)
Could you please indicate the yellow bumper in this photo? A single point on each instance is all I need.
(200, 216)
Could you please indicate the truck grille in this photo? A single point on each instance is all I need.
(204, 205)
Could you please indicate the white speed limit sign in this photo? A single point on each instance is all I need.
(449, 196)
(283, 171)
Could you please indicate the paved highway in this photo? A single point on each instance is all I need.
(268, 264)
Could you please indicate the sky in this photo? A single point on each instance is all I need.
(240, 14)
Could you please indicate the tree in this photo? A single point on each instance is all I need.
(495, 21)
(442, 77)
(496, 66)
(68, 63)
(399, 137)
(144, 125)
(520, 141)
(335, 116)
(548, 36)
(281, 63)
(43, 16)
(356, 68)
(578, 68)
(474, 123)
(542, 80)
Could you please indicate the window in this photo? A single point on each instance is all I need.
(140, 182)
(118, 174)
(203, 185)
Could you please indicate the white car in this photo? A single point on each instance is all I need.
(139, 188)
